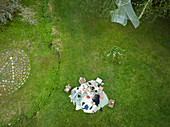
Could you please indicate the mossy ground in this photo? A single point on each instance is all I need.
(139, 85)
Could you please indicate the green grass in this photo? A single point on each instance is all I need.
(139, 85)
(34, 40)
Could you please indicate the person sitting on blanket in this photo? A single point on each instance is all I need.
(96, 99)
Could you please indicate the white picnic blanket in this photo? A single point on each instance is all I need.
(82, 97)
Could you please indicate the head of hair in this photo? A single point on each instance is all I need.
(92, 88)
(83, 103)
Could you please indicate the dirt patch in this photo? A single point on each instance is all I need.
(56, 43)
(50, 9)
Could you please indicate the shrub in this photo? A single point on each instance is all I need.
(7, 9)
(155, 9)
(101, 8)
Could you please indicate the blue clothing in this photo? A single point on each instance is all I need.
(86, 107)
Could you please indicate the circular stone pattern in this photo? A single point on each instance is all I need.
(14, 70)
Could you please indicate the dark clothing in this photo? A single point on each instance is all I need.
(101, 110)
(96, 100)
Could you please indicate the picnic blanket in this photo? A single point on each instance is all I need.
(89, 97)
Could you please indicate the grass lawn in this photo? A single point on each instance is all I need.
(139, 85)
(33, 95)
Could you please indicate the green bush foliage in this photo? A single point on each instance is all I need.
(155, 9)
(7, 9)
(101, 8)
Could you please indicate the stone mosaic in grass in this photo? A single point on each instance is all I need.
(14, 70)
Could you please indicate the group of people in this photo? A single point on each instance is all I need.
(89, 97)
